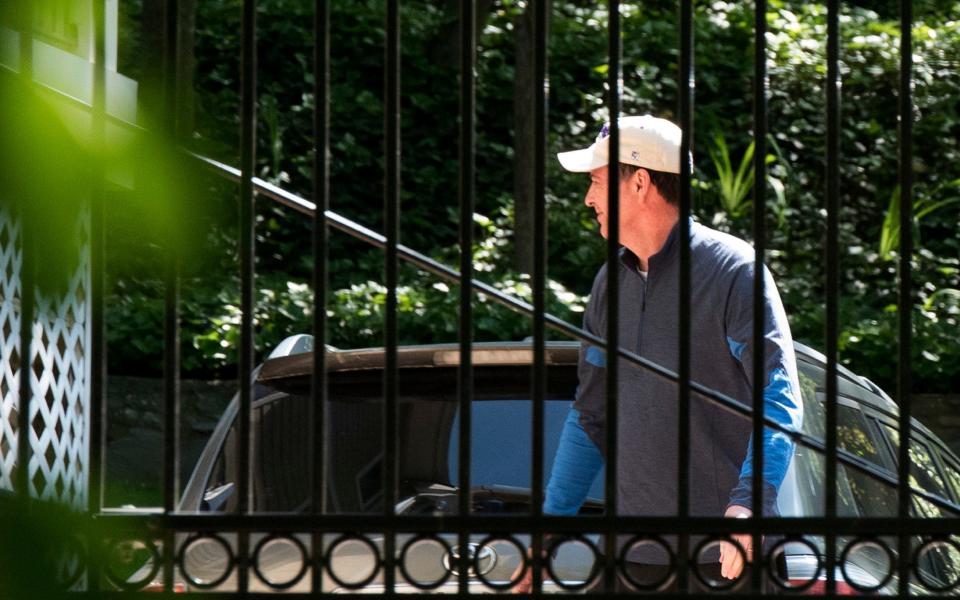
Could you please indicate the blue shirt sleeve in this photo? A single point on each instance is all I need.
(781, 393)
(576, 465)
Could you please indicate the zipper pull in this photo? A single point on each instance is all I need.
(646, 290)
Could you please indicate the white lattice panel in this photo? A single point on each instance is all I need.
(59, 376)
(9, 346)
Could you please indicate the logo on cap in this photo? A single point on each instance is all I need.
(604, 132)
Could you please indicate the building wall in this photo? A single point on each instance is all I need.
(63, 52)
(60, 373)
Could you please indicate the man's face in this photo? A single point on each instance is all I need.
(596, 199)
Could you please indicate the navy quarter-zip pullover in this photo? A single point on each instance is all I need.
(721, 356)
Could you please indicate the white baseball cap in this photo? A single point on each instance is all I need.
(647, 141)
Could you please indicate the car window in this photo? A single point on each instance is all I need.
(501, 444)
(280, 460)
(814, 413)
(501, 450)
(858, 493)
(953, 477)
(856, 437)
(873, 497)
(810, 464)
(924, 474)
(281, 455)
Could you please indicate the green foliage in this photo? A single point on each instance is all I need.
(734, 188)
(428, 311)
(357, 313)
(934, 322)
(796, 61)
(868, 171)
(890, 234)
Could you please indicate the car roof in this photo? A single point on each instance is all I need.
(503, 353)
(870, 393)
(423, 356)
(514, 354)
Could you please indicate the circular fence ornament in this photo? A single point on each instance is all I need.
(659, 552)
(945, 553)
(131, 563)
(566, 547)
(206, 560)
(805, 576)
(284, 547)
(353, 561)
(423, 561)
(866, 549)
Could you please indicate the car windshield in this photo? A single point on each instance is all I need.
(428, 423)
(501, 443)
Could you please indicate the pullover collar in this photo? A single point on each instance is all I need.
(668, 253)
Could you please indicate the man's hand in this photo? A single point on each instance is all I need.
(731, 559)
(525, 584)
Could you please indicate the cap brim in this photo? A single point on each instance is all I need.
(583, 161)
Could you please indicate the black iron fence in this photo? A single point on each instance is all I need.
(242, 535)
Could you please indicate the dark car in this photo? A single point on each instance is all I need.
(501, 471)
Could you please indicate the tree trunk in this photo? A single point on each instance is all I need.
(524, 142)
(153, 35)
(152, 86)
(445, 50)
(185, 67)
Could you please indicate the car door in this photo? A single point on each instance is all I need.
(936, 558)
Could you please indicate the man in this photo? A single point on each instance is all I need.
(721, 320)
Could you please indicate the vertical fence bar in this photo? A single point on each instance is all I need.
(28, 292)
(392, 231)
(248, 132)
(904, 301)
(321, 197)
(171, 365)
(27, 281)
(98, 338)
(467, 190)
(759, 242)
(98, 372)
(171, 314)
(686, 80)
(540, 95)
(832, 275)
(613, 293)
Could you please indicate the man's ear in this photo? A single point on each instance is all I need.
(641, 179)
